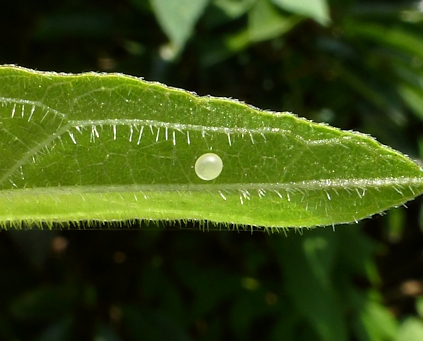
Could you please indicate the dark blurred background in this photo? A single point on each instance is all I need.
(353, 64)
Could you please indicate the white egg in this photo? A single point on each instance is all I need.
(208, 166)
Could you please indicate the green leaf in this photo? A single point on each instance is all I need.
(224, 11)
(234, 9)
(266, 21)
(177, 18)
(413, 96)
(315, 9)
(320, 307)
(411, 330)
(410, 85)
(394, 37)
(378, 321)
(110, 147)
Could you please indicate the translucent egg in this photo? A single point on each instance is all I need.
(208, 166)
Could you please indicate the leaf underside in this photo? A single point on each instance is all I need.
(109, 147)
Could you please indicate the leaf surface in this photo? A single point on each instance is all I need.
(315, 9)
(266, 22)
(178, 18)
(111, 147)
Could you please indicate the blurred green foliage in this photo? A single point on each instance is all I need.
(354, 64)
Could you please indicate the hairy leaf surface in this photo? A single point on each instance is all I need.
(111, 147)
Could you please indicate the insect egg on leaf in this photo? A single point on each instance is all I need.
(208, 166)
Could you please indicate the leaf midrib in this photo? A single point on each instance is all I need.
(312, 185)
